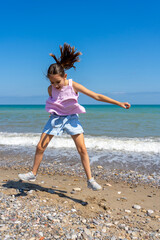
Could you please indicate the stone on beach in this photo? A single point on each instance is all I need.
(136, 206)
(150, 212)
(76, 189)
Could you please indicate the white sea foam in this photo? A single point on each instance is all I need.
(145, 145)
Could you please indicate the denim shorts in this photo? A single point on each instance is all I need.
(56, 125)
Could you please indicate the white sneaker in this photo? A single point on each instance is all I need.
(93, 185)
(27, 176)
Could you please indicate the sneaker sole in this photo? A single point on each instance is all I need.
(33, 180)
(94, 189)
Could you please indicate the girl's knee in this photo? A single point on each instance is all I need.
(82, 150)
(40, 148)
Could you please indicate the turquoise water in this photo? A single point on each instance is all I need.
(99, 120)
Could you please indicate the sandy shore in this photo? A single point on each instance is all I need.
(105, 214)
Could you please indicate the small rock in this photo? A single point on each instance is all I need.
(73, 236)
(104, 229)
(99, 167)
(127, 211)
(150, 212)
(83, 220)
(109, 224)
(95, 222)
(109, 185)
(76, 189)
(73, 210)
(30, 191)
(136, 207)
(41, 234)
(122, 226)
(87, 231)
(113, 238)
(50, 217)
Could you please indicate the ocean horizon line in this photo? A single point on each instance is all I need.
(104, 104)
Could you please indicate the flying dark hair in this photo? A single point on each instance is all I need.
(66, 61)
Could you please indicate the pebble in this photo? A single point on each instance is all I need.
(150, 212)
(84, 220)
(122, 226)
(30, 191)
(113, 238)
(87, 231)
(76, 189)
(104, 229)
(136, 207)
(127, 211)
(95, 222)
(109, 185)
(99, 167)
(73, 210)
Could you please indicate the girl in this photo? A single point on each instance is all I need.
(63, 107)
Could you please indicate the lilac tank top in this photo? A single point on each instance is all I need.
(64, 102)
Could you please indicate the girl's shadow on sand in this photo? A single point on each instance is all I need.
(24, 188)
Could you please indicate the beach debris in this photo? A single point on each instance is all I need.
(41, 238)
(119, 192)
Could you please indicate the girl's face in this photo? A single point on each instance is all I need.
(57, 81)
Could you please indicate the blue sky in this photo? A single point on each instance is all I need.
(119, 41)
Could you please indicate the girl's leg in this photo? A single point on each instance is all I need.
(80, 144)
(43, 143)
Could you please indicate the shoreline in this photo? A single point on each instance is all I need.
(116, 171)
(55, 210)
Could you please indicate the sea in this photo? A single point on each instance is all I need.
(114, 137)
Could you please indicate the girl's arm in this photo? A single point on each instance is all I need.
(50, 90)
(99, 97)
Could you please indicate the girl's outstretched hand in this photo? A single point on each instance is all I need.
(125, 105)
